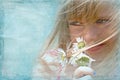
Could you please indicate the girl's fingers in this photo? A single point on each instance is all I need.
(83, 71)
(87, 77)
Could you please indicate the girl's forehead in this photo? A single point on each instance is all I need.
(105, 11)
(91, 12)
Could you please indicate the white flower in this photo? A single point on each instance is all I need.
(74, 59)
(79, 39)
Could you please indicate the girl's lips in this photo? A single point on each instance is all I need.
(96, 48)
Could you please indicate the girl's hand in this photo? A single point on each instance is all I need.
(49, 69)
(87, 77)
(83, 71)
(78, 73)
(44, 70)
(69, 70)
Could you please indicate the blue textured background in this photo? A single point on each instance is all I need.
(24, 25)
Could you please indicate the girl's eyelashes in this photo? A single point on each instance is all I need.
(102, 21)
(74, 23)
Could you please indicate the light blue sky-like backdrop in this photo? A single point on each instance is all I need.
(24, 25)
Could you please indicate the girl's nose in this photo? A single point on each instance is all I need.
(91, 34)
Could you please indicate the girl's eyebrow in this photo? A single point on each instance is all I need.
(74, 22)
(104, 17)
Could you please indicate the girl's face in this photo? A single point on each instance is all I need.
(95, 31)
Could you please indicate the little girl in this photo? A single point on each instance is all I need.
(84, 44)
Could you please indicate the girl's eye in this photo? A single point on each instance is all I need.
(101, 21)
(75, 23)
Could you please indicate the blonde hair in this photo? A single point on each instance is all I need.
(77, 10)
